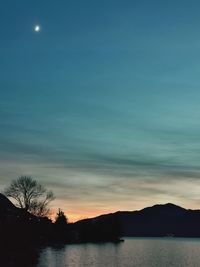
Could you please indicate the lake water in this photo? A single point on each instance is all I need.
(134, 252)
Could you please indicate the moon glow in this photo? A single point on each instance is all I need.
(37, 28)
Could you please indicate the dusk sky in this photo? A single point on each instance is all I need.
(102, 105)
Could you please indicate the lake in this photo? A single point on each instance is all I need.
(145, 252)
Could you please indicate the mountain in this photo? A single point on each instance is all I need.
(20, 228)
(6, 206)
(158, 221)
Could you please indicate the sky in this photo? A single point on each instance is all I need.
(102, 105)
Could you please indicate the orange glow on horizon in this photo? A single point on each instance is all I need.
(75, 211)
(74, 217)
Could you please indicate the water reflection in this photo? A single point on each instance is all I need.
(132, 253)
(145, 252)
(80, 255)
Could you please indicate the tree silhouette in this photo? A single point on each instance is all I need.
(61, 219)
(30, 195)
(61, 227)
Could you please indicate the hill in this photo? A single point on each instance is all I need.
(158, 221)
(7, 208)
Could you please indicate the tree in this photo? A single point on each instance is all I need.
(61, 219)
(61, 227)
(30, 195)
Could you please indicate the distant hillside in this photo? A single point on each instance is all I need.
(20, 228)
(158, 221)
(6, 206)
(17, 225)
(9, 212)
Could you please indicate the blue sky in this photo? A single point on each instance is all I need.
(102, 105)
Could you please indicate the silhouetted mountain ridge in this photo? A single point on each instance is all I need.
(6, 204)
(165, 207)
(21, 228)
(158, 220)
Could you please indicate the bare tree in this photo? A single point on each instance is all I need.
(30, 195)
